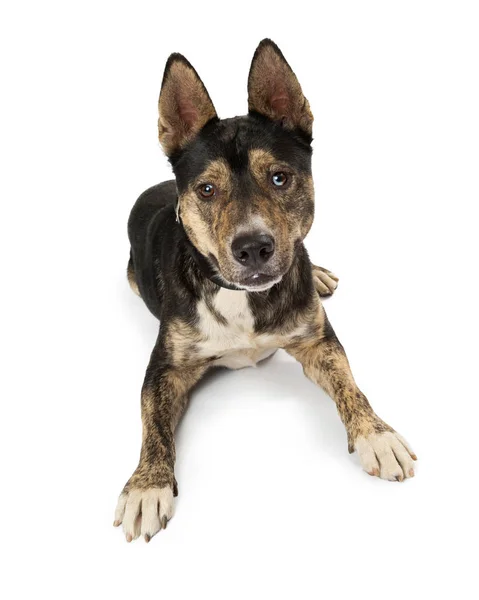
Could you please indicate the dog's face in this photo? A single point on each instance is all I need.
(245, 189)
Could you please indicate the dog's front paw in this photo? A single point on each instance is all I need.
(386, 455)
(324, 281)
(144, 512)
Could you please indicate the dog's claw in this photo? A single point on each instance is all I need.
(164, 522)
(129, 537)
(116, 523)
(147, 538)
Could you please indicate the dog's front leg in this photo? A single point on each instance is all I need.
(382, 451)
(146, 502)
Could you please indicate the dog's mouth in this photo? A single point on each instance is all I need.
(258, 282)
(250, 282)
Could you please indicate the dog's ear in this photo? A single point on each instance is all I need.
(274, 90)
(184, 106)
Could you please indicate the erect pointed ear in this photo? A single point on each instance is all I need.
(274, 90)
(184, 106)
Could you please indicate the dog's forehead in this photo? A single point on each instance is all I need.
(233, 140)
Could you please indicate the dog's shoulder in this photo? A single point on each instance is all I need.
(145, 212)
(158, 257)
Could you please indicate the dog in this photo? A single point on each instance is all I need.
(217, 256)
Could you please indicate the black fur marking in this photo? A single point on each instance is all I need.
(231, 140)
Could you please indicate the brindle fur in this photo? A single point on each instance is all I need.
(182, 266)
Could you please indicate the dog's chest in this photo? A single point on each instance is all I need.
(226, 325)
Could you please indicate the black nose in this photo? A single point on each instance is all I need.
(253, 250)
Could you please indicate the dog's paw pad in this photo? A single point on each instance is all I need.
(386, 455)
(144, 512)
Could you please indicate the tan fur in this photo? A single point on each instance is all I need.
(200, 217)
(263, 163)
(181, 340)
(196, 226)
(132, 279)
(219, 172)
(291, 210)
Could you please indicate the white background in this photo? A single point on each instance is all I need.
(271, 504)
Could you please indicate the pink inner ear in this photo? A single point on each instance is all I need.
(190, 117)
(187, 111)
(280, 103)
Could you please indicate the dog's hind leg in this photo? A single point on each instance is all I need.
(130, 273)
(324, 281)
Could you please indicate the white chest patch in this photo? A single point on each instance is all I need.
(227, 331)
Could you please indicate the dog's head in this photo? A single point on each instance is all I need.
(245, 188)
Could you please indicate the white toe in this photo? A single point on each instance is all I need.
(367, 456)
(120, 509)
(325, 280)
(403, 457)
(131, 518)
(407, 446)
(166, 503)
(150, 518)
(321, 287)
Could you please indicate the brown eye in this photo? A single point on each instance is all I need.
(279, 179)
(207, 190)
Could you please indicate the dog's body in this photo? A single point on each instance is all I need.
(217, 256)
(228, 327)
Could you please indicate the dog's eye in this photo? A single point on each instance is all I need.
(207, 190)
(279, 179)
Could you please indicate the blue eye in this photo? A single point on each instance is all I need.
(279, 179)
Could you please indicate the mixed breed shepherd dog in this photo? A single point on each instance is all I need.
(217, 256)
